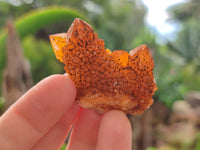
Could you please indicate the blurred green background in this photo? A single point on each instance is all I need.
(122, 24)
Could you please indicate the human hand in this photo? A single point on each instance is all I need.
(42, 118)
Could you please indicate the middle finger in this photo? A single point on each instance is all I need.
(84, 134)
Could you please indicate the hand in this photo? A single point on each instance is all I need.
(42, 118)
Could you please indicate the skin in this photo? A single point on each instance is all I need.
(43, 117)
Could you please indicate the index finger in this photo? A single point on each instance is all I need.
(36, 112)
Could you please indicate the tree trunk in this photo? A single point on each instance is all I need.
(17, 77)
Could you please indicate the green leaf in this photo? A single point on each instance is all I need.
(63, 147)
(2, 101)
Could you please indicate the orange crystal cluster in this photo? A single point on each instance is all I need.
(105, 80)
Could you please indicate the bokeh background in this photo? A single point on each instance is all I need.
(171, 29)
